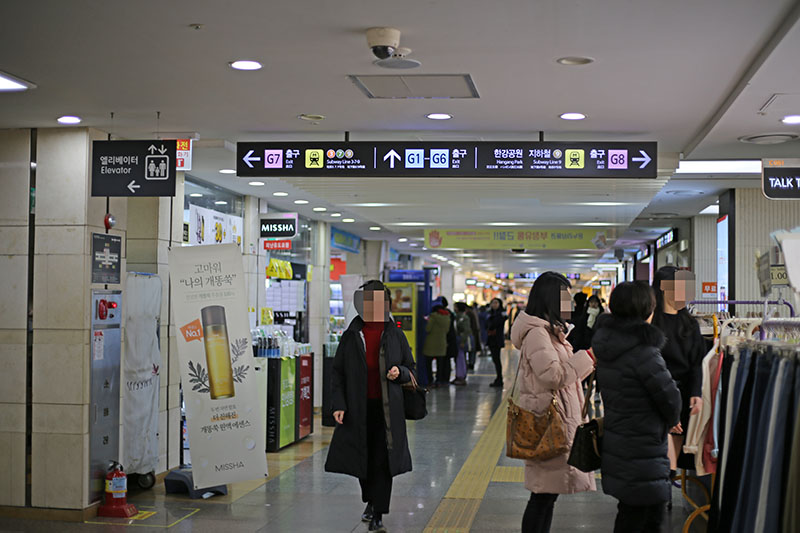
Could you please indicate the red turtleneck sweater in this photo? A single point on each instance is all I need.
(372, 337)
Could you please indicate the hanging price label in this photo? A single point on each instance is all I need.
(778, 275)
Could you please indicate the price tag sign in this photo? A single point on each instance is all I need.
(778, 275)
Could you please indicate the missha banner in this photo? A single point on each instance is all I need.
(226, 431)
(532, 238)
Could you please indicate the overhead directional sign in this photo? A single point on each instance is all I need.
(133, 168)
(780, 179)
(444, 159)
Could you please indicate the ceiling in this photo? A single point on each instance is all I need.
(693, 76)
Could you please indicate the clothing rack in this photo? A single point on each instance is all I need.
(765, 303)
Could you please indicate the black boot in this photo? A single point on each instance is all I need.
(497, 383)
(376, 524)
(368, 514)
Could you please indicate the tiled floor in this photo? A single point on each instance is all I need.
(300, 496)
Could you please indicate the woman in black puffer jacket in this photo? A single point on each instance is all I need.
(642, 403)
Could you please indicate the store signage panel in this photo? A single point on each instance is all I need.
(780, 179)
(183, 154)
(666, 239)
(605, 282)
(133, 168)
(279, 226)
(277, 245)
(448, 159)
(533, 238)
(407, 275)
(709, 289)
(343, 240)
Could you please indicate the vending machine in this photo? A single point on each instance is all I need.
(404, 310)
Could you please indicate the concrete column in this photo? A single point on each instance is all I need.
(250, 254)
(447, 278)
(704, 251)
(14, 202)
(373, 259)
(319, 294)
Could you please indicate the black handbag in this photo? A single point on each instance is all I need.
(414, 402)
(587, 445)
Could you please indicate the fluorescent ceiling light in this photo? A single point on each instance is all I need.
(256, 183)
(572, 116)
(336, 215)
(279, 193)
(320, 209)
(713, 209)
(375, 228)
(719, 167)
(467, 255)
(9, 83)
(245, 64)
(69, 119)
(413, 244)
(221, 202)
(574, 61)
(348, 220)
(505, 224)
(301, 202)
(402, 239)
(227, 171)
(598, 224)
(791, 119)
(439, 116)
(412, 224)
(196, 195)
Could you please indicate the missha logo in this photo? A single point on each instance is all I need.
(229, 466)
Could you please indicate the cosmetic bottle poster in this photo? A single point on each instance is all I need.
(226, 430)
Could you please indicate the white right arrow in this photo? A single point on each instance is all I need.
(391, 157)
(132, 186)
(644, 160)
(249, 157)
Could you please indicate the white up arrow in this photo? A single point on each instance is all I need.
(644, 160)
(249, 157)
(391, 156)
(132, 186)
(153, 149)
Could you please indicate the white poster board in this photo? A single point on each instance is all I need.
(226, 429)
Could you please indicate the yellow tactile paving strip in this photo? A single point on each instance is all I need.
(457, 510)
(509, 474)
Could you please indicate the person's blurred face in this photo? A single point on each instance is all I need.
(376, 307)
(593, 304)
(679, 292)
(495, 304)
(566, 304)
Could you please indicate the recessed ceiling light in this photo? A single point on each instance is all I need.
(413, 244)
(413, 224)
(278, 193)
(301, 202)
(256, 183)
(574, 61)
(336, 215)
(791, 119)
(69, 119)
(719, 167)
(402, 239)
(9, 83)
(505, 224)
(572, 116)
(375, 228)
(320, 209)
(245, 64)
(196, 195)
(348, 220)
(311, 117)
(221, 202)
(439, 116)
(227, 171)
(769, 138)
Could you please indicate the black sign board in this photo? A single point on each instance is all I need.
(133, 168)
(448, 159)
(106, 253)
(282, 226)
(780, 179)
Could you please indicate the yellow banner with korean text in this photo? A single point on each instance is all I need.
(528, 238)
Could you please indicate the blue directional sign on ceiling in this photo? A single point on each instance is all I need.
(443, 159)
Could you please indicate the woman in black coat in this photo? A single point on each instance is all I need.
(496, 338)
(370, 441)
(642, 403)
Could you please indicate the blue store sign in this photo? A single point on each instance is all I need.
(345, 241)
(407, 275)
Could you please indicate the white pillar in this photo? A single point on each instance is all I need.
(319, 294)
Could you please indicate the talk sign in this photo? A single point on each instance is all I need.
(226, 428)
(780, 179)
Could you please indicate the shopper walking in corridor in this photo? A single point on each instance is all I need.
(465, 340)
(684, 349)
(370, 441)
(548, 368)
(496, 338)
(435, 346)
(641, 403)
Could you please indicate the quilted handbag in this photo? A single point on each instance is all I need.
(414, 402)
(587, 445)
(531, 436)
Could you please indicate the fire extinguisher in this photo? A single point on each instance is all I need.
(116, 494)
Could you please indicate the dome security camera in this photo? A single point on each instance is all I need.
(383, 41)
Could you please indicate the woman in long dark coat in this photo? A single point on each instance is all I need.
(370, 441)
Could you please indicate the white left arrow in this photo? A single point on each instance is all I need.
(132, 186)
(391, 156)
(249, 157)
(645, 159)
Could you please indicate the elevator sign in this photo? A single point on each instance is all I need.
(445, 159)
(780, 179)
(133, 168)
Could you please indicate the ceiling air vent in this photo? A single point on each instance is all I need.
(770, 138)
(416, 86)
